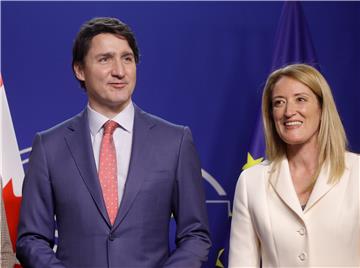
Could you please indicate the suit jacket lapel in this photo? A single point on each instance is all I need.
(321, 187)
(282, 183)
(138, 163)
(79, 143)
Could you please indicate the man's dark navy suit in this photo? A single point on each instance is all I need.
(164, 178)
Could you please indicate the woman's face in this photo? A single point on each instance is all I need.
(296, 112)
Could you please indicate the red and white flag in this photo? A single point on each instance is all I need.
(12, 176)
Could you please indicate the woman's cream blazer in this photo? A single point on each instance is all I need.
(268, 222)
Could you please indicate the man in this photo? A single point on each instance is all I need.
(113, 175)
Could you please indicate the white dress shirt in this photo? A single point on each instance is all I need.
(122, 140)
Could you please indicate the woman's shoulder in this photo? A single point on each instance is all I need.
(260, 166)
(352, 158)
(256, 172)
(252, 180)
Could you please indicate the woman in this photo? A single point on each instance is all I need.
(301, 207)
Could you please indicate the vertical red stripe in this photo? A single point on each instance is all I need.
(12, 210)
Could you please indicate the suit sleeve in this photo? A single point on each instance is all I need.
(189, 210)
(244, 244)
(34, 247)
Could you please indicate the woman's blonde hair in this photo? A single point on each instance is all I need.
(331, 138)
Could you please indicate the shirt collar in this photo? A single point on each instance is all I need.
(125, 119)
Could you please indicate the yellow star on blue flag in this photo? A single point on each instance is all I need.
(251, 161)
(218, 262)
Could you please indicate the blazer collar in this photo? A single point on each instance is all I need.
(321, 188)
(79, 143)
(139, 160)
(282, 183)
(284, 187)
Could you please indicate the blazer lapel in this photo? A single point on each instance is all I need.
(321, 187)
(138, 163)
(282, 183)
(79, 143)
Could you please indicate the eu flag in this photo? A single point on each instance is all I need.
(293, 44)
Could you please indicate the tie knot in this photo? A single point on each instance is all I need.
(110, 126)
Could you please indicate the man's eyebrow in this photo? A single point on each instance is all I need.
(106, 54)
(127, 53)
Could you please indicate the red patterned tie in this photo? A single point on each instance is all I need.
(108, 170)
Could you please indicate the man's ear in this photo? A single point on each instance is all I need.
(79, 71)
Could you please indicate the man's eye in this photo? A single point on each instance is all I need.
(103, 60)
(128, 59)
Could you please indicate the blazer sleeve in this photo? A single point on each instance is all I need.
(34, 247)
(244, 244)
(189, 210)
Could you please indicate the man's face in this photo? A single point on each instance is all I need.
(109, 73)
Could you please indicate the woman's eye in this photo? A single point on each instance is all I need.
(301, 99)
(278, 103)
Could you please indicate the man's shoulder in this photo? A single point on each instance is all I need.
(156, 121)
(64, 126)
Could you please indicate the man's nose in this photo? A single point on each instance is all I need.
(118, 69)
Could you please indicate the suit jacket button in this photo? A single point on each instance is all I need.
(301, 231)
(111, 238)
(302, 256)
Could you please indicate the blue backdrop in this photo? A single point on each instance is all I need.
(203, 64)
